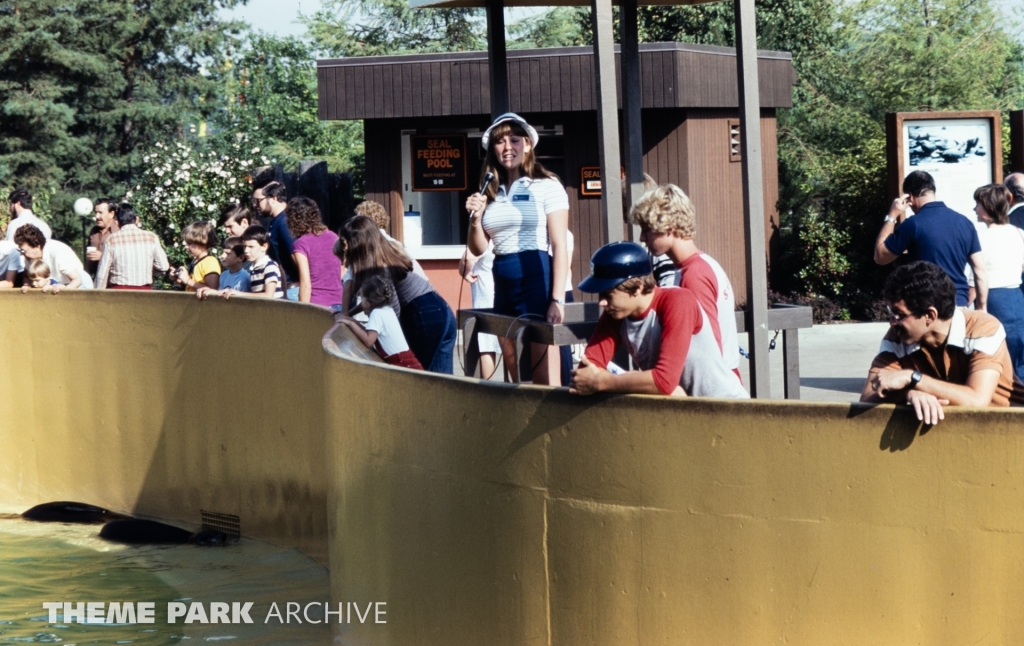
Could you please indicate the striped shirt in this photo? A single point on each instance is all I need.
(976, 341)
(129, 257)
(517, 221)
(263, 270)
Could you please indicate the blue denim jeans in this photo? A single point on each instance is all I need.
(1007, 305)
(430, 330)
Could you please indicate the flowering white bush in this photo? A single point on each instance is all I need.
(180, 185)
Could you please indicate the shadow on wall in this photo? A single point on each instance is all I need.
(514, 515)
(498, 514)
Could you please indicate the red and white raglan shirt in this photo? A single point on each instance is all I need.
(701, 274)
(673, 339)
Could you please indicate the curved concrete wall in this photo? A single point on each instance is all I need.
(492, 514)
(162, 405)
(500, 515)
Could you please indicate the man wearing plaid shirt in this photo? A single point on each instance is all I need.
(130, 255)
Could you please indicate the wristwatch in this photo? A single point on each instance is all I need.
(560, 301)
(915, 378)
(889, 218)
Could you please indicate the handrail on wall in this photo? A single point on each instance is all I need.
(581, 319)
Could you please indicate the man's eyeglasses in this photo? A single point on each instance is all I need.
(258, 200)
(896, 316)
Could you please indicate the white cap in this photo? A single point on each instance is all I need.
(510, 116)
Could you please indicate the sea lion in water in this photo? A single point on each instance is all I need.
(71, 512)
(147, 532)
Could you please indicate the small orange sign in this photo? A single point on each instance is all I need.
(590, 180)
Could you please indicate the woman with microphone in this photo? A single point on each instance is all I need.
(522, 209)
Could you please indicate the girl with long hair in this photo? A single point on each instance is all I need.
(427, 321)
(524, 212)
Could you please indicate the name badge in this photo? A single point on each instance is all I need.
(521, 197)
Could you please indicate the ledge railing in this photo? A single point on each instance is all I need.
(581, 319)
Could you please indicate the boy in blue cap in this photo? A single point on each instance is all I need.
(666, 332)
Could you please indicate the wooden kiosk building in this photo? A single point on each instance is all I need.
(689, 111)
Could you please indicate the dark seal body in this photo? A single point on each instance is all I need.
(138, 531)
(149, 532)
(71, 512)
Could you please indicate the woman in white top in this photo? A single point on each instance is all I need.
(523, 210)
(1003, 246)
(63, 262)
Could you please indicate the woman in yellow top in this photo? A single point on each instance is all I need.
(199, 238)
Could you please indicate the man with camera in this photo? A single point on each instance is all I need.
(130, 255)
(937, 234)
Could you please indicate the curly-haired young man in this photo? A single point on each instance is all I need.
(937, 354)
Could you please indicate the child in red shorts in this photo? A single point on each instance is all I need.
(382, 331)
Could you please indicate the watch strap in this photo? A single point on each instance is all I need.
(915, 378)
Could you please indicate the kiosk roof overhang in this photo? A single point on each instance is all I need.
(452, 4)
(675, 75)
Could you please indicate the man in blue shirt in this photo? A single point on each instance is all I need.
(937, 234)
(1015, 182)
(273, 200)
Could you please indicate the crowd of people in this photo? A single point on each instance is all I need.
(956, 309)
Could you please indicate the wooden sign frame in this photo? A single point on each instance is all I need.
(897, 145)
(420, 187)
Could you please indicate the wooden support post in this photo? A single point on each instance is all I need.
(629, 62)
(607, 119)
(1017, 141)
(471, 346)
(791, 362)
(496, 58)
(753, 197)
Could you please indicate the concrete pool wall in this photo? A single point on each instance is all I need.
(491, 514)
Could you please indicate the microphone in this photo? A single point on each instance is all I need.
(488, 178)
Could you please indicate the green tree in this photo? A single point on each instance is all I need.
(381, 27)
(84, 84)
(896, 55)
(271, 97)
(854, 62)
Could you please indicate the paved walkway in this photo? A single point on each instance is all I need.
(834, 360)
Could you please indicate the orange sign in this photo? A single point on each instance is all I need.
(438, 162)
(590, 180)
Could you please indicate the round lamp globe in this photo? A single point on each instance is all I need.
(83, 207)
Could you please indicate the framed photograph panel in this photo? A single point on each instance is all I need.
(961, 150)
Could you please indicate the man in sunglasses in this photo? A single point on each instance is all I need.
(936, 354)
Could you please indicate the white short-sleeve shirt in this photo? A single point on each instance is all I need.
(517, 220)
(10, 258)
(1003, 246)
(383, 321)
(27, 217)
(62, 262)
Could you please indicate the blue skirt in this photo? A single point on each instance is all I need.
(522, 284)
(1007, 305)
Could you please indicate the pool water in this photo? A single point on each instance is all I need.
(54, 562)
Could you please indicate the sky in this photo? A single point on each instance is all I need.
(281, 18)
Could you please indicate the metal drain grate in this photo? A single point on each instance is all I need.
(227, 523)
